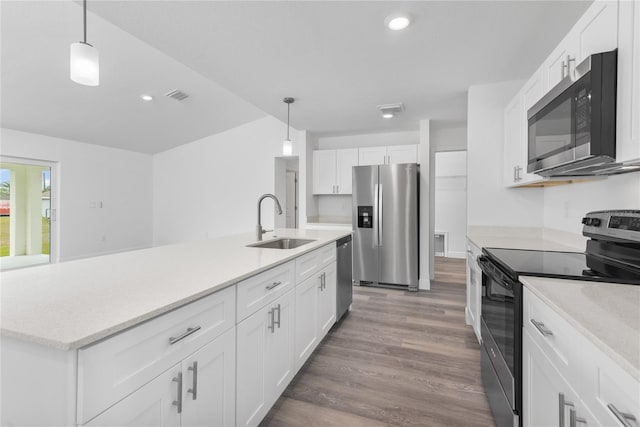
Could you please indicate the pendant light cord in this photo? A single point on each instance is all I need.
(85, 21)
(288, 109)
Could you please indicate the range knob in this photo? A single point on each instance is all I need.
(592, 222)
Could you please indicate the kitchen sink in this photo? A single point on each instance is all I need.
(281, 243)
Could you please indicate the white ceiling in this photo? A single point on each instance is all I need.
(335, 57)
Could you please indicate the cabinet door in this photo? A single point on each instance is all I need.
(402, 154)
(306, 329)
(251, 405)
(151, 405)
(327, 301)
(628, 126)
(209, 384)
(324, 171)
(279, 366)
(372, 156)
(597, 29)
(555, 67)
(544, 389)
(513, 143)
(346, 160)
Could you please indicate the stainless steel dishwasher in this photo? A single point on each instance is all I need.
(344, 293)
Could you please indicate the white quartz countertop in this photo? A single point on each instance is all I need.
(72, 304)
(525, 238)
(607, 314)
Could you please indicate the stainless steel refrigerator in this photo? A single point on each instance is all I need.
(385, 221)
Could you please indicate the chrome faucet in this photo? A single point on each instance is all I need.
(259, 230)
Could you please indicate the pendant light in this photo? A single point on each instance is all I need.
(84, 65)
(287, 145)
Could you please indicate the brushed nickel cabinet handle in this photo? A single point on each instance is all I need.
(277, 322)
(273, 285)
(272, 327)
(574, 419)
(189, 331)
(194, 390)
(178, 403)
(623, 417)
(541, 328)
(562, 402)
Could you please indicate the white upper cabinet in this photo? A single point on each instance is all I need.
(628, 111)
(513, 143)
(372, 156)
(402, 154)
(389, 155)
(597, 29)
(332, 170)
(345, 161)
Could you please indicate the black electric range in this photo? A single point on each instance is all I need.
(612, 253)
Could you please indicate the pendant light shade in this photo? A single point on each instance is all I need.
(84, 66)
(287, 145)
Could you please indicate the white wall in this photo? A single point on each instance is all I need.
(565, 205)
(488, 201)
(120, 179)
(368, 140)
(210, 187)
(451, 200)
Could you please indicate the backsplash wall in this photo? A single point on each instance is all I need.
(565, 205)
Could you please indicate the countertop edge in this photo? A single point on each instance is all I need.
(136, 321)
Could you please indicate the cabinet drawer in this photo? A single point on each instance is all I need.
(112, 369)
(310, 263)
(559, 341)
(608, 388)
(257, 291)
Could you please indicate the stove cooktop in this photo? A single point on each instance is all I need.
(562, 265)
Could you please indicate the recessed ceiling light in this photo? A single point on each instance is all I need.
(146, 97)
(398, 22)
(387, 115)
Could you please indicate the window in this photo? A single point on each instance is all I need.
(25, 213)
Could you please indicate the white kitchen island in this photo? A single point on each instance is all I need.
(95, 341)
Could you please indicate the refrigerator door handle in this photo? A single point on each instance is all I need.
(380, 206)
(376, 212)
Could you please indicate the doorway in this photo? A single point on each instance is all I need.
(287, 191)
(27, 213)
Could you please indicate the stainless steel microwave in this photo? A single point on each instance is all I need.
(572, 129)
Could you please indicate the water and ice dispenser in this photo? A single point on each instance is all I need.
(365, 216)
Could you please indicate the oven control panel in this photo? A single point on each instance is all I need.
(614, 225)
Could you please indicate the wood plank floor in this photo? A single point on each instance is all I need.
(397, 359)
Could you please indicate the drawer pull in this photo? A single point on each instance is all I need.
(540, 327)
(623, 417)
(183, 335)
(273, 285)
(194, 390)
(178, 402)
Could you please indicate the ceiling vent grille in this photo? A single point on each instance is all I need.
(177, 95)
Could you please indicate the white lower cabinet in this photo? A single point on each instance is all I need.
(264, 360)
(196, 392)
(315, 312)
(566, 380)
(474, 288)
(151, 405)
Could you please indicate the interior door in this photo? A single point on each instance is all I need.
(398, 241)
(365, 217)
